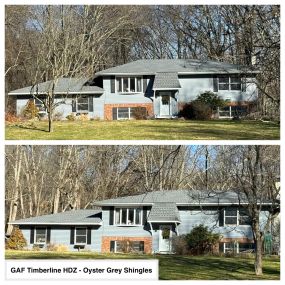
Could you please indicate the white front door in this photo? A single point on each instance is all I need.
(165, 104)
(165, 235)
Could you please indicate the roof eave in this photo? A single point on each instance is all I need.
(167, 221)
(58, 93)
(53, 224)
(176, 88)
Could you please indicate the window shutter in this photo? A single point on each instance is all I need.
(142, 246)
(111, 216)
(144, 84)
(90, 103)
(48, 234)
(215, 83)
(112, 246)
(89, 235)
(73, 103)
(32, 235)
(144, 215)
(243, 84)
(221, 217)
(221, 247)
(72, 230)
(112, 80)
(115, 117)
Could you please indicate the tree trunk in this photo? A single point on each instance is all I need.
(258, 256)
(50, 129)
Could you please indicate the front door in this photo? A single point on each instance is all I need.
(165, 235)
(165, 104)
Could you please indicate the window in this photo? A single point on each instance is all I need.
(231, 217)
(249, 247)
(236, 247)
(232, 82)
(80, 235)
(38, 103)
(233, 111)
(244, 219)
(230, 247)
(40, 235)
(123, 113)
(128, 84)
(126, 113)
(82, 104)
(128, 216)
(235, 217)
(128, 246)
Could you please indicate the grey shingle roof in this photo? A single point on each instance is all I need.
(167, 80)
(152, 66)
(62, 86)
(78, 217)
(164, 212)
(187, 197)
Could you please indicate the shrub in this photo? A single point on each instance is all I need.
(196, 111)
(179, 245)
(83, 117)
(57, 116)
(37, 247)
(212, 100)
(201, 111)
(57, 247)
(30, 111)
(140, 113)
(16, 240)
(201, 240)
(71, 117)
(11, 118)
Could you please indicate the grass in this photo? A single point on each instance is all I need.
(175, 267)
(145, 130)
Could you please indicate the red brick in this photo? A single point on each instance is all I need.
(105, 247)
(108, 109)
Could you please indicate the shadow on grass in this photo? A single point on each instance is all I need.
(209, 268)
(31, 127)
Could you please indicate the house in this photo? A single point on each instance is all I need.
(146, 223)
(160, 87)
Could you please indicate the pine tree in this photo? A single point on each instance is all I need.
(16, 240)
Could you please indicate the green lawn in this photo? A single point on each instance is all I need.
(173, 267)
(145, 130)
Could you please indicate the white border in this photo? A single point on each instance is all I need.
(139, 142)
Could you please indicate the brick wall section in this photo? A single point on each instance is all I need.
(108, 109)
(240, 240)
(106, 242)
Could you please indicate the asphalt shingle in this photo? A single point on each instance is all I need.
(166, 80)
(62, 86)
(164, 212)
(179, 197)
(152, 66)
(78, 217)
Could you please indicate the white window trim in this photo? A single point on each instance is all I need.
(230, 84)
(129, 84)
(75, 235)
(237, 248)
(126, 225)
(82, 111)
(129, 113)
(35, 235)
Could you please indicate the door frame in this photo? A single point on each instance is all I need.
(169, 95)
(160, 238)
